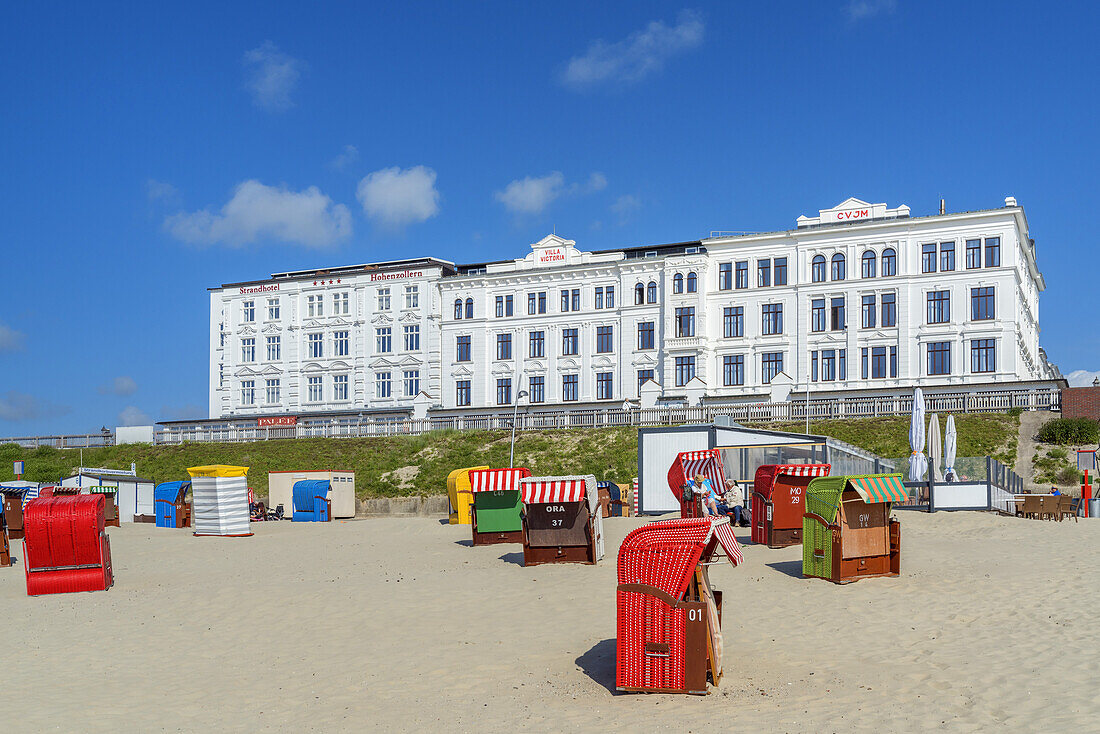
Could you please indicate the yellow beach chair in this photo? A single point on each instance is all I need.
(459, 494)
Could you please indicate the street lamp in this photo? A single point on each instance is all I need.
(515, 411)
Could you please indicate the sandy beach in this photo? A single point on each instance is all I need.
(397, 624)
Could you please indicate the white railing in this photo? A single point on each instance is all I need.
(74, 441)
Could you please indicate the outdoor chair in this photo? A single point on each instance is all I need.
(1068, 506)
(1030, 508)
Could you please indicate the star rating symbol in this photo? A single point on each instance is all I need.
(315, 282)
(330, 282)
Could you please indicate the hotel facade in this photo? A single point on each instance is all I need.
(859, 298)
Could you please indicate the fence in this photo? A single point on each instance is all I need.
(76, 441)
(984, 484)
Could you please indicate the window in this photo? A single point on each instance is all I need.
(678, 283)
(645, 335)
(838, 267)
(383, 385)
(863, 363)
(992, 252)
(383, 340)
(531, 304)
(741, 275)
(469, 308)
(412, 296)
(947, 257)
(973, 254)
(779, 276)
(500, 306)
(828, 365)
(609, 300)
(569, 388)
(604, 340)
(536, 344)
(983, 355)
(412, 338)
(504, 391)
(651, 292)
(458, 308)
(893, 361)
(868, 312)
(644, 376)
(462, 392)
(763, 273)
(248, 392)
(315, 305)
(571, 298)
(837, 321)
(889, 310)
(508, 306)
(313, 389)
(813, 367)
(939, 358)
(504, 346)
(889, 262)
(248, 311)
(340, 304)
(316, 345)
(867, 265)
(982, 304)
(733, 369)
(411, 378)
(273, 309)
(733, 321)
(542, 301)
(939, 307)
(272, 391)
(771, 364)
(341, 343)
(772, 318)
(928, 258)
(248, 349)
(504, 306)
(569, 342)
(597, 302)
(383, 299)
(274, 348)
(817, 314)
(604, 390)
(339, 387)
(685, 370)
(685, 321)
(462, 349)
(725, 276)
(639, 294)
(537, 390)
(817, 269)
(693, 283)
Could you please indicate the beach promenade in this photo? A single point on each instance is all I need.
(397, 625)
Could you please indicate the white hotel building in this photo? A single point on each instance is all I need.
(861, 297)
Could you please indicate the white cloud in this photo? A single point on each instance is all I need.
(532, 195)
(1082, 378)
(10, 339)
(347, 155)
(860, 9)
(626, 205)
(134, 416)
(272, 76)
(162, 191)
(121, 386)
(596, 182)
(258, 212)
(17, 406)
(636, 56)
(397, 197)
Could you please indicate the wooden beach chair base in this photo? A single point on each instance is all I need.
(536, 556)
(784, 537)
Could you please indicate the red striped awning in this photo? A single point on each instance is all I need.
(553, 489)
(491, 480)
(880, 488)
(803, 470)
(708, 463)
(664, 554)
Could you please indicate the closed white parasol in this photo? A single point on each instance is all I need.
(917, 461)
(950, 446)
(935, 452)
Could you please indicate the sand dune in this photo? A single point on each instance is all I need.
(397, 624)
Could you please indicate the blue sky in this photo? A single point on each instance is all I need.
(152, 150)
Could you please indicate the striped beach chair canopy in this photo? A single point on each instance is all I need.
(690, 463)
(664, 554)
(492, 480)
(557, 489)
(875, 488)
(823, 495)
(768, 474)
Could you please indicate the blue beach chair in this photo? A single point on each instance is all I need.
(311, 502)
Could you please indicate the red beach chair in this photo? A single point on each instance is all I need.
(685, 467)
(779, 501)
(65, 548)
(669, 617)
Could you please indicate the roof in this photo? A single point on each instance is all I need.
(490, 480)
(218, 470)
(823, 494)
(768, 474)
(664, 554)
(113, 477)
(555, 489)
(298, 275)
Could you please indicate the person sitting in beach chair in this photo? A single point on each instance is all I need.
(735, 503)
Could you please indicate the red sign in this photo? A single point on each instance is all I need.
(553, 255)
(279, 420)
(260, 289)
(400, 275)
(853, 214)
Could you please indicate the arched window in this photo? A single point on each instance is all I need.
(818, 274)
(889, 262)
(469, 308)
(867, 264)
(639, 294)
(678, 283)
(693, 282)
(458, 308)
(838, 267)
(651, 292)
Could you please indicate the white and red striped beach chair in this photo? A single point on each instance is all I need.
(687, 465)
(495, 511)
(562, 522)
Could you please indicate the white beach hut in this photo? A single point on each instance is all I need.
(219, 500)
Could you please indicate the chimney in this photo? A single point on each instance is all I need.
(943, 206)
(1010, 201)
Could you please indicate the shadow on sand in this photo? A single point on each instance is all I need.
(599, 664)
(516, 558)
(468, 543)
(791, 568)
